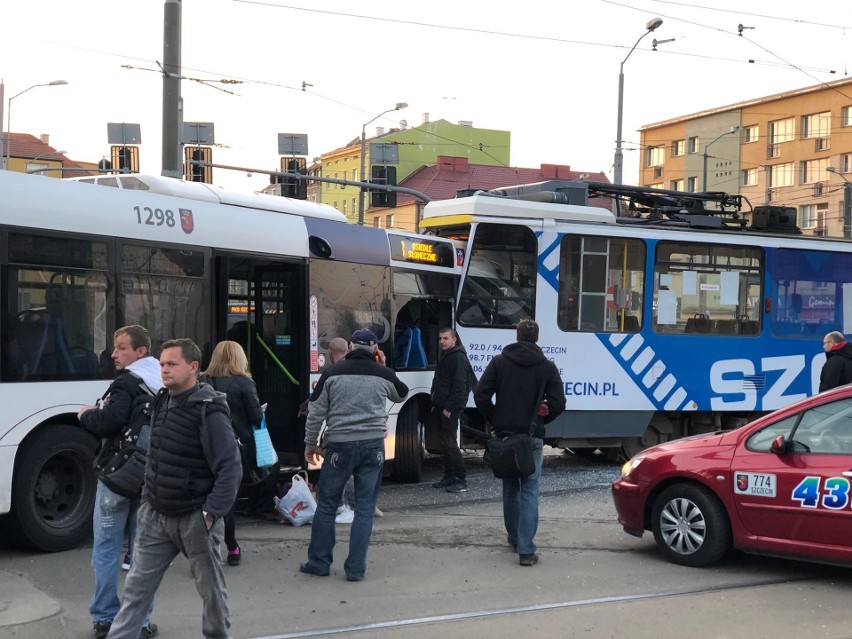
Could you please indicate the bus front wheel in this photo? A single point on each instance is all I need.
(53, 492)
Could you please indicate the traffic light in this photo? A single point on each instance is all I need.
(385, 175)
(290, 186)
(125, 159)
(195, 172)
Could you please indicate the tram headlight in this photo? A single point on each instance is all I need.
(630, 466)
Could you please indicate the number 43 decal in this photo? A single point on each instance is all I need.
(835, 493)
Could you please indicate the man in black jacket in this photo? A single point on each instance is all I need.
(837, 370)
(191, 480)
(517, 376)
(118, 419)
(450, 388)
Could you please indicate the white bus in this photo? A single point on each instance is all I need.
(282, 277)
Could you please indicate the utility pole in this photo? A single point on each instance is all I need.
(172, 160)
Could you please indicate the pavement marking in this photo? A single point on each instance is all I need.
(460, 616)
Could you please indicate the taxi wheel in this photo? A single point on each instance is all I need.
(690, 525)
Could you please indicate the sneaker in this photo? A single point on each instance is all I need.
(234, 557)
(379, 512)
(102, 629)
(528, 560)
(458, 486)
(149, 631)
(345, 515)
(125, 564)
(446, 480)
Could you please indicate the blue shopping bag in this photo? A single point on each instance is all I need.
(266, 455)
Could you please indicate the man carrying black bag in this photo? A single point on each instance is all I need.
(121, 419)
(519, 376)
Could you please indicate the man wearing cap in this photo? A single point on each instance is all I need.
(351, 397)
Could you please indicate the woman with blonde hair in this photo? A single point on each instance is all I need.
(228, 373)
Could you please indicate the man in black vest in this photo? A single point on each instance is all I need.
(191, 481)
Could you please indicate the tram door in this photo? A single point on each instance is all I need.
(265, 312)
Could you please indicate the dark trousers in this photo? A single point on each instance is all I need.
(448, 427)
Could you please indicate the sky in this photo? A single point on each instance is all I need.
(546, 71)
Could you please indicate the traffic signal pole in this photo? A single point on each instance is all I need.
(172, 160)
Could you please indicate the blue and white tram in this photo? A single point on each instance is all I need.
(668, 322)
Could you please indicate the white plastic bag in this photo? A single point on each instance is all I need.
(298, 505)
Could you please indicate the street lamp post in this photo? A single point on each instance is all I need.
(847, 202)
(733, 129)
(399, 105)
(54, 83)
(653, 25)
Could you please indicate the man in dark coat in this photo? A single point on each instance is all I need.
(517, 376)
(837, 370)
(450, 389)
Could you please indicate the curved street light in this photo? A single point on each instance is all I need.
(653, 25)
(733, 129)
(54, 83)
(399, 106)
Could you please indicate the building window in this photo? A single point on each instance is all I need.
(749, 177)
(846, 162)
(692, 144)
(678, 147)
(807, 216)
(691, 184)
(814, 171)
(353, 204)
(389, 221)
(781, 175)
(846, 116)
(655, 156)
(817, 125)
(782, 131)
(344, 207)
(750, 134)
(377, 222)
(676, 185)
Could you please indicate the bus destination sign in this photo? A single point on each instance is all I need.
(421, 250)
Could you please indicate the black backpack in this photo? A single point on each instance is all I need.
(124, 470)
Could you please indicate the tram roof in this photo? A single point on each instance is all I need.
(463, 209)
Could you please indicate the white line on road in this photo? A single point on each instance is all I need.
(460, 616)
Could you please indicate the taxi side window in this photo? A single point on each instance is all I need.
(762, 440)
(825, 429)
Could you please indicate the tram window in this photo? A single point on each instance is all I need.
(808, 289)
(707, 289)
(499, 285)
(164, 290)
(601, 284)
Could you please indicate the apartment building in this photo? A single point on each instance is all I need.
(773, 150)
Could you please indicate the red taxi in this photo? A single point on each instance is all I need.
(777, 486)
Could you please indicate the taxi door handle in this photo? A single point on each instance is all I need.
(847, 473)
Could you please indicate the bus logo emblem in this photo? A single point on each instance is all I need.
(186, 221)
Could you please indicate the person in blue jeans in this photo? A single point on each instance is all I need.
(124, 404)
(517, 376)
(350, 397)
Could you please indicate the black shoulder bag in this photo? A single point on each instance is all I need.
(510, 455)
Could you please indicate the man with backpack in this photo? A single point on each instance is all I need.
(121, 419)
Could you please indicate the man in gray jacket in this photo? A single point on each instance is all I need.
(352, 398)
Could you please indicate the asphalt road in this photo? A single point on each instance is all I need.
(439, 567)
